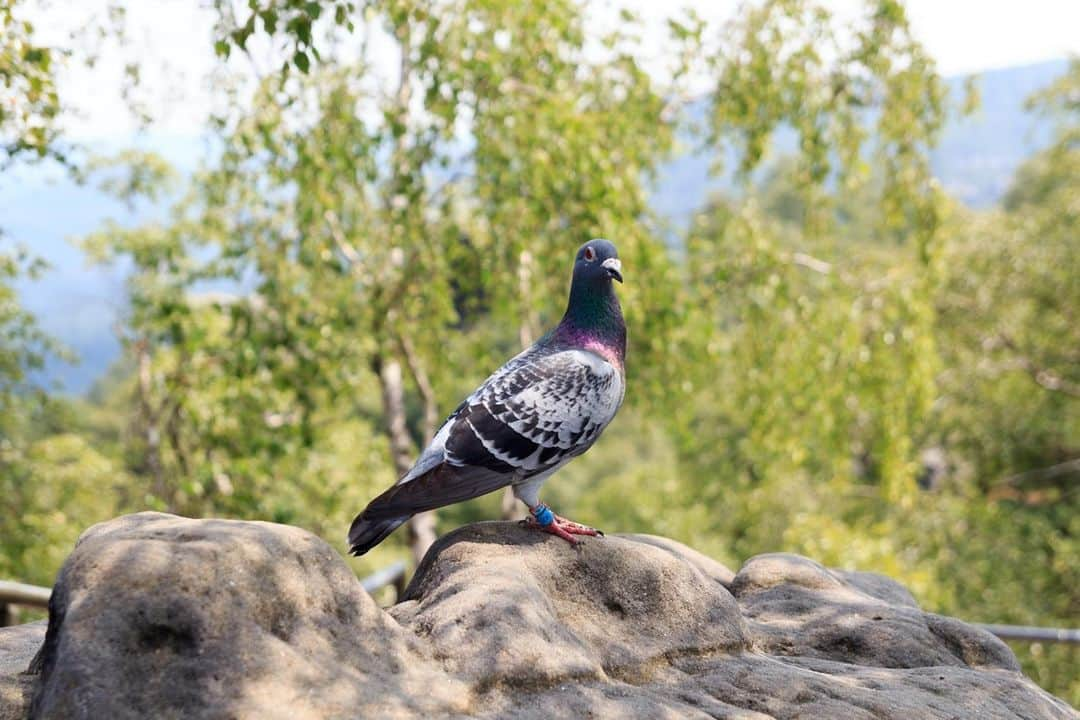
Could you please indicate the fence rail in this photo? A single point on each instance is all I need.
(391, 575)
(1029, 633)
(16, 593)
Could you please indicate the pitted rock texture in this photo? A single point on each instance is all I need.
(159, 616)
(17, 646)
(156, 616)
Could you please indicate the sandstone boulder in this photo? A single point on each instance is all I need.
(159, 616)
(17, 645)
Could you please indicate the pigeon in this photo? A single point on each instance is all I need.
(533, 415)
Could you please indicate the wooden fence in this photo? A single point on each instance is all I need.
(15, 593)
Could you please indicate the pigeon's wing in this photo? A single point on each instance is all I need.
(535, 412)
(433, 481)
(545, 409)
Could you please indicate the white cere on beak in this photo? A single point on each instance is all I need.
(614, 266)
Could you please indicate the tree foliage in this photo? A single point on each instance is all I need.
(29, 102)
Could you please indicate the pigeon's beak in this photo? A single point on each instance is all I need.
(614, 268)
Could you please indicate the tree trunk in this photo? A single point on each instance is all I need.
(529, 321)
(149, 429)
(422, 526)
(526, 336)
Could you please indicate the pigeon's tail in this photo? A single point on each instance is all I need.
(441, 485)
(365, 534)
(382, 516)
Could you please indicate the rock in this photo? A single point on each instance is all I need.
(712, 569)
(797, 607)
(158, 616)
(18, 645)
(502, 615)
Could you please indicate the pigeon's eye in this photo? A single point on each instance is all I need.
(589, 254)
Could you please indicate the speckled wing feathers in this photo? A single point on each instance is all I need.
(539, 410)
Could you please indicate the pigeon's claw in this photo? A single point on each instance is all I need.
(543, 519)
(576, 528)
(554, 529)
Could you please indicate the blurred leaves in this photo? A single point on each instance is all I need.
(31, 107)
(29, 102)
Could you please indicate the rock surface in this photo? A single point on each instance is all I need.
(17, 646)
(159, 616)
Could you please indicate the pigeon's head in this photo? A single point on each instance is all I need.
(598, 260)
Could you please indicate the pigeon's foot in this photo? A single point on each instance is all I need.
(558, 525)
(576, 528)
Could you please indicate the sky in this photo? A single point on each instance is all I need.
(964, 36)
(171, 39)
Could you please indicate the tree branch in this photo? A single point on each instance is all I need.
(1043, 377)
(1045, 474)
(423, 384)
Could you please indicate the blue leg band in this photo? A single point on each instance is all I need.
(543, 515)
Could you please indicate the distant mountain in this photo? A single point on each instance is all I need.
(975, 159)
(81, 305)
(979, 154)
(75, 301)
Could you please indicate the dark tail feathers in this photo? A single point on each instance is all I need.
(439, 486)
(365, 534)
(380, 518)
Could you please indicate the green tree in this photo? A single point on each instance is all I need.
(344, 210)
(29, 102)
(50, 478)
(54, 483)
(1010, 411)
(1008, 309)
(371, 238)
(810, 358)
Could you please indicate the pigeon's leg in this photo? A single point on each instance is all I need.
(543, 519)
